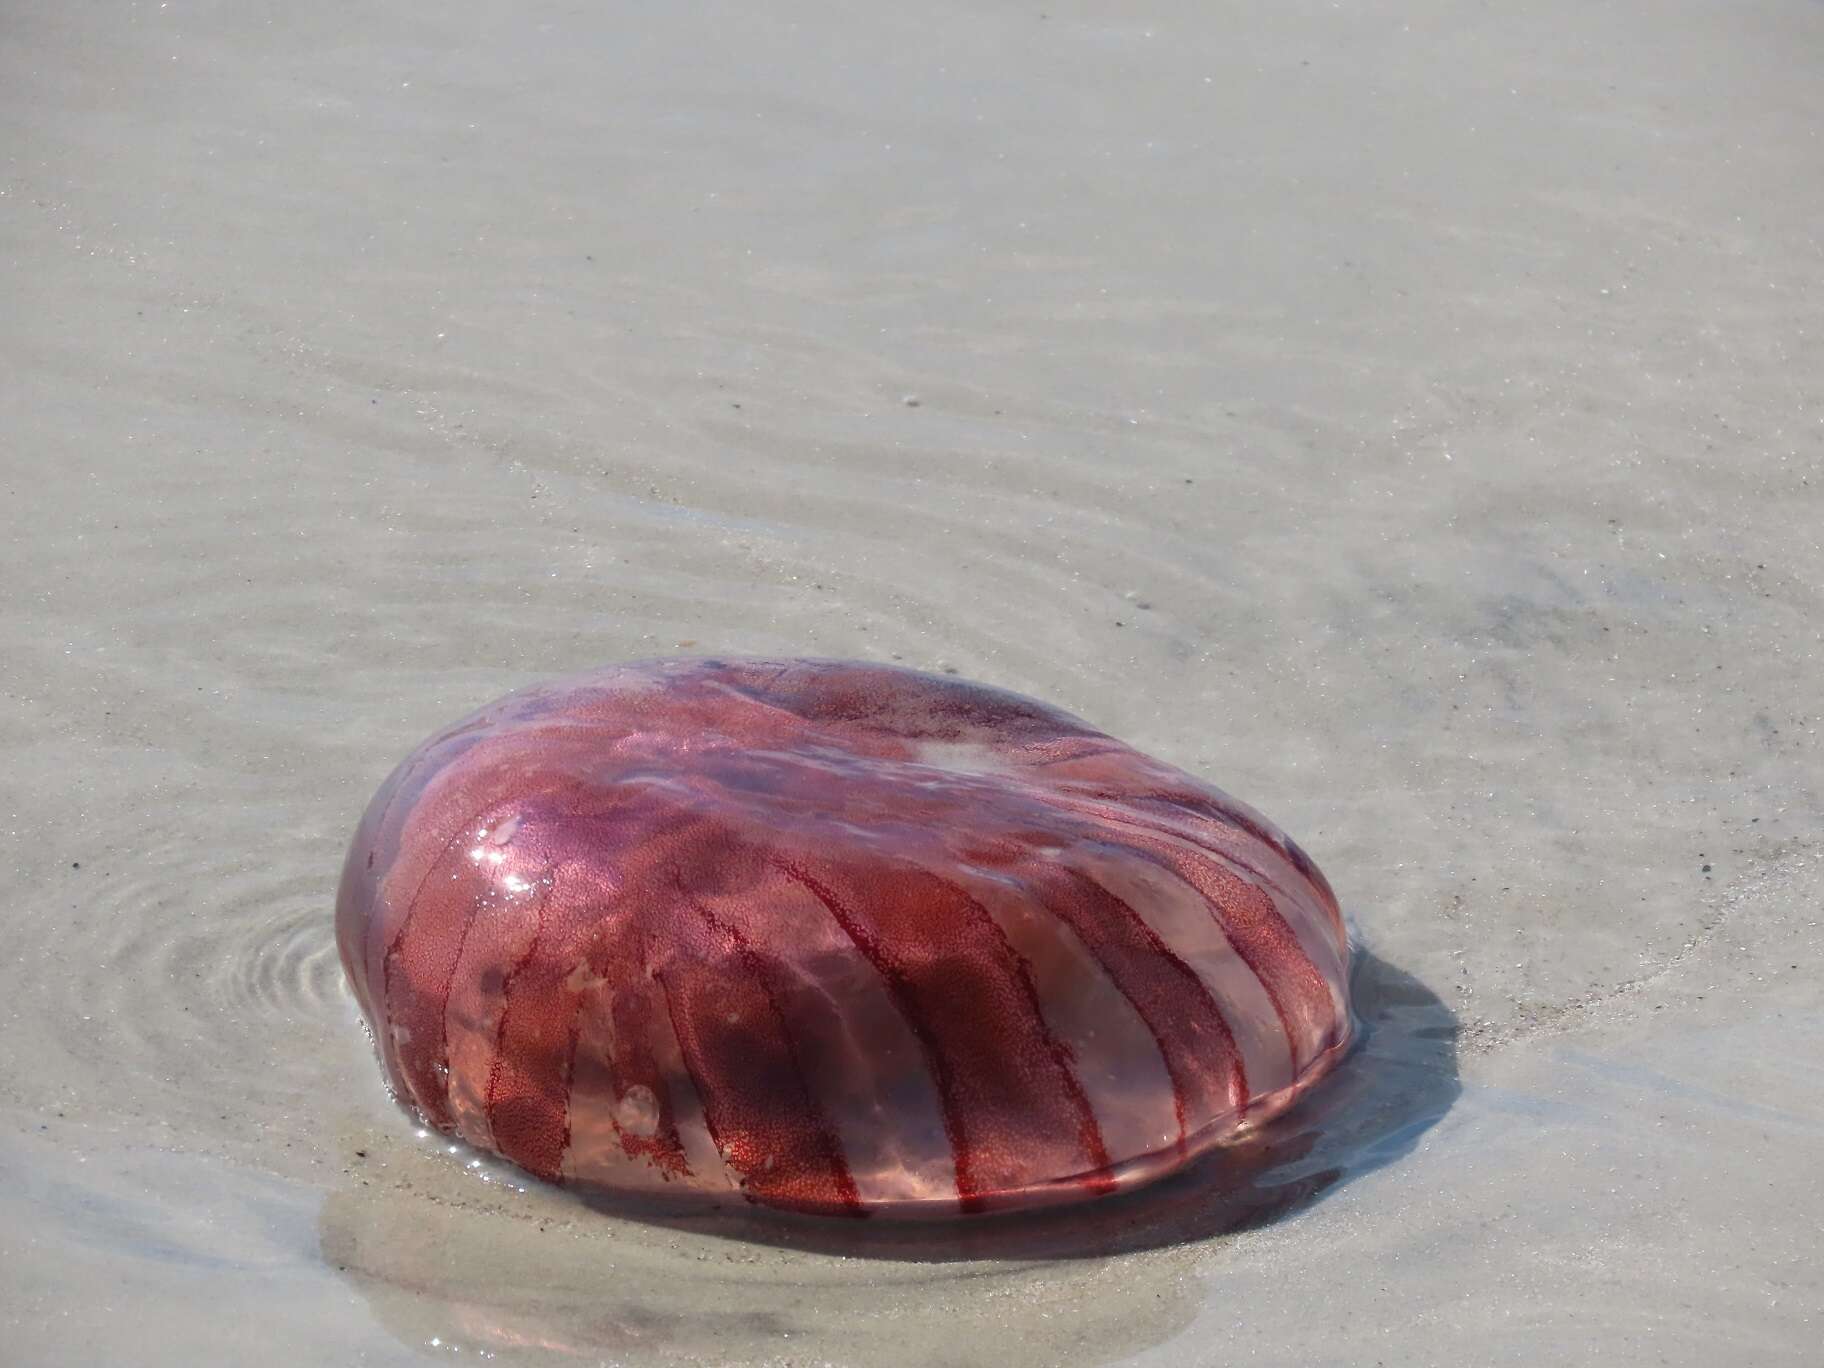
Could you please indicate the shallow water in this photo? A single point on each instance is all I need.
(1407, 418)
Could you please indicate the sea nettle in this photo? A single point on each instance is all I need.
(833, 937)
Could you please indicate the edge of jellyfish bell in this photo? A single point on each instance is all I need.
(1389, 1082)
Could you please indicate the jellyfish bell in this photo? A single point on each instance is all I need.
(834, 937)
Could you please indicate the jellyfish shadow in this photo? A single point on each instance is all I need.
(1398, 1081)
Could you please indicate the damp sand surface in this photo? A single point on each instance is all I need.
(1408, 417)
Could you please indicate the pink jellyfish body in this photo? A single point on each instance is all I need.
(834, 937)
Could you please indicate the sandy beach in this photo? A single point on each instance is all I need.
(1409, 418)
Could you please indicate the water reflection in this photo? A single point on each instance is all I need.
(544, 1276)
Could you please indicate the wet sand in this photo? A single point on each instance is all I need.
(1407, 418)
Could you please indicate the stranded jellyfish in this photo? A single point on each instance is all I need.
(833, 937)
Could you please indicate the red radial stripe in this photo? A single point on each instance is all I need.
(636, 1013)
(409, 859)
(1233, 815)
(617, 992)
(528, 1097)
(1194, 1039)
(616, 978)
(736, 1035)
(1012, 1103)
(1301, 995)
(1161, 818)
(419, 968)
